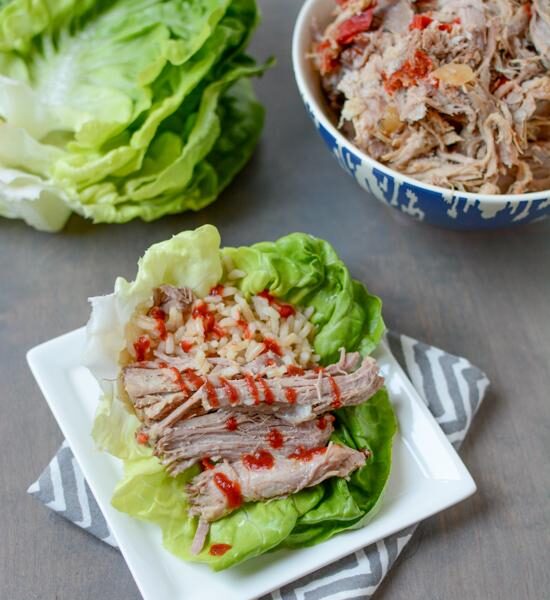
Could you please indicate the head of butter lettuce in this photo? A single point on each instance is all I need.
(123, 108)
(302, 270)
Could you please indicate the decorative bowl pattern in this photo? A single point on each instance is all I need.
(432, 204)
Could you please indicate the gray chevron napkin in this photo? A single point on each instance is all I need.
(452, 388)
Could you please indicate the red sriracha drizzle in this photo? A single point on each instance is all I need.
(208, 320)
(294, 370)
(211, 394)
(290, 394)
(186, 346)
(142, 437)
(252, 388)
(248, 335)
(230, 489)
(207, 464)
(217, 290)
(306, 455)
(275, 439)
(219, 549)
(285, 310)
(337, 401)
(261, 459)
(269, 398)
(272, 345)
(142, 346)
(231, 424)
(193, 378)
(230, 390)
(322, 423)
(348, 29)
(180, 382)
(160, 316)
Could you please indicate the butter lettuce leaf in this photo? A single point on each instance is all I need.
(114, 108)
(306, 271)
(297, 268)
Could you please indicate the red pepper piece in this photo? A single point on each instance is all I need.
(420, 22)
(348, 29)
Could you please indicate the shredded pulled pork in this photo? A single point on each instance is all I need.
(454, 93)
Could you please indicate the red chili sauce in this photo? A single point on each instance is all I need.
(269, 398)
(252, 388)
(219, 549)
(275, 438)
(230, 390)
(230, 489)
(142, 346)
(261, 459)
(180, 382)
(273, 346)
(186, 346)
(142, 437)
(211, 394)
(284, 310)
(208, 320)
(231, 424)
(160, 317)
(336, 395)
(291, 395)
(217, 290)
(306, 454)
(207, 464)
(294, 370)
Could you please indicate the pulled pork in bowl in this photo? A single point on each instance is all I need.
(453, 97)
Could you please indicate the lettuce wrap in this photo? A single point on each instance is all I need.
(298, 269)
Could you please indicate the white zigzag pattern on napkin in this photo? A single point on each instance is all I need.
(451, 387)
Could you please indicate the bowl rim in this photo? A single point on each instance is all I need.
(303, 22)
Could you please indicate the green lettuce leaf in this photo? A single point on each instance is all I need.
(94, 76)
(116, 106)
(28, 197)
(306, 271)
(297, 268)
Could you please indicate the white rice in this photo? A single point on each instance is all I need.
(245, 324)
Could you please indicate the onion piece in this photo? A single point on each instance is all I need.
(454, 74)
(390, 121)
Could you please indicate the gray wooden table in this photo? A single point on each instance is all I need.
(483, 295)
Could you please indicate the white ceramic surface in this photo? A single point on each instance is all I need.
(427, 477)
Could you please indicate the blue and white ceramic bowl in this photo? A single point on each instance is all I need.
(428, 203)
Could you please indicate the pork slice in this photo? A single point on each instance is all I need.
(168, 296)
(262, 363)
(155, 408)
(228, 434)
(286, 476)
(322, 393)
(158, 393)
(147, 381)
(348, 362)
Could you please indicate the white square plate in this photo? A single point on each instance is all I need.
(427, 477)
